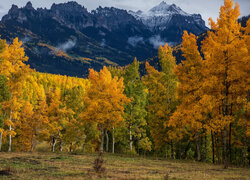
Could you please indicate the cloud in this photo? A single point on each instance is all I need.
(26, 39)
(67, 45)
(133, 41)
(103, 43)
(156, 41)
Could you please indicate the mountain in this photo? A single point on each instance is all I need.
(243, 20)
(68, 39)
(169, 22)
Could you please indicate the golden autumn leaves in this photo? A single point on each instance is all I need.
(105, 101)
(213, 91)
(34, 107)
(204, 97)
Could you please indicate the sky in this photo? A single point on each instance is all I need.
(207, 8)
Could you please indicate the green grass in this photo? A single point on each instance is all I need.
(69, 166)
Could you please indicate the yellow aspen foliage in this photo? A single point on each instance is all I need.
(56, 121)
(227, 61)
(104, 100)
(15, 70)
(24, 128)
(226, 69)
(162, 96)
(188, 117)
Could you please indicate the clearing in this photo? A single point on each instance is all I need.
(70, 166)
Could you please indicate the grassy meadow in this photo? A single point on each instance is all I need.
(80, 166)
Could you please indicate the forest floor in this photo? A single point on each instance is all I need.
(69, 166)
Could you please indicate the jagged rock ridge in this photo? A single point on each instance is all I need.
(68, 39)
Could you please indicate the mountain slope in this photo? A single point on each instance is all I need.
(169, 21)
(67, 39)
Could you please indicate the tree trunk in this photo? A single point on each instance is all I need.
(213, 145)
(198, 147)
(184, 156)
(107, 140)
(1, 138)
(84, 147)
(178, 151)
(10, 128)
(31, 147)
(248, 150)
(217, 147)
(229, 143)
(71, 147)
(61, 145)
(53, 144)
(84, 144)
(113, 140)
(33, 140)
(225, 109)
(10, 140)
(102, 138)
(130, 140)
(172, 149)
(225, 147)
(205, 152)
(244, 147)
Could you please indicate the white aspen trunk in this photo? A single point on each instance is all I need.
(32, 144)
(107, 140)
(10, 140)
(198, 147)
(113, 140)
(84, 145)
(1, 137)
(130, 140)
(53, 144)
(10, 128)
(102, 138)
(61, 145)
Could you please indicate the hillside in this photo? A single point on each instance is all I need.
(67, 39)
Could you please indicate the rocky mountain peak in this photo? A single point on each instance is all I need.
(69, 7)
(29, 6)
(13, 8)
(109, 11)
(161, 7)
(164, 9)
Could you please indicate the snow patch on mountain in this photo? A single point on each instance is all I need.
(160, 16)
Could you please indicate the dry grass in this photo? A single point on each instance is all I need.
(68, 166)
